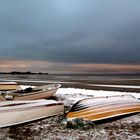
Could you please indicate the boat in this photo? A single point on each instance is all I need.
(18, 112)
(100, 108)
(8, 86)
(31, 93)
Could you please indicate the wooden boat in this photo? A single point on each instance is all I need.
(17, 112)
(100, 108)
(8, 86)
(40, 92)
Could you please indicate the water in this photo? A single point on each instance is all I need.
(132, 79)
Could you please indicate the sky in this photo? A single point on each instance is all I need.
(70, 36)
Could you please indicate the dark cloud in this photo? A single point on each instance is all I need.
(70, 31)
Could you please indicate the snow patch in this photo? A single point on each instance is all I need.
(95, 93)
(72, 95)
(119, 86)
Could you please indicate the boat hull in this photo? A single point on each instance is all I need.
(8, 86)
(100, 108)
(34, 96)
(31, 111)
(43, 93)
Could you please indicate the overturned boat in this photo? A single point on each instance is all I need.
(8, 86)
(17, 112)
(100, 108)
(31, 93)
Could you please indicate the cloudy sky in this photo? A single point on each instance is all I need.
(70, 36)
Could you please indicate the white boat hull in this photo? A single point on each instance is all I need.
(20, 113)
(34, 96)
(45, 92)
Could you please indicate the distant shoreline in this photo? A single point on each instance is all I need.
(86, 74)
(24, 73)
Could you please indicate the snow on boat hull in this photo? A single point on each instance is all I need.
(41, 92)
(17, 112)
(8, 86)
(100, 108)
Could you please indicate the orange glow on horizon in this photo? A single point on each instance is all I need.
(54, 67)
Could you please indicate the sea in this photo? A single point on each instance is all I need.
(125, 79)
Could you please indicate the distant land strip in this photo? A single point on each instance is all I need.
(21, 73)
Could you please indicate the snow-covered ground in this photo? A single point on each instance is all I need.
(94, 93)
(119, 86)
(72, 95)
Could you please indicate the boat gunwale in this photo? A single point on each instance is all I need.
(32, 106)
